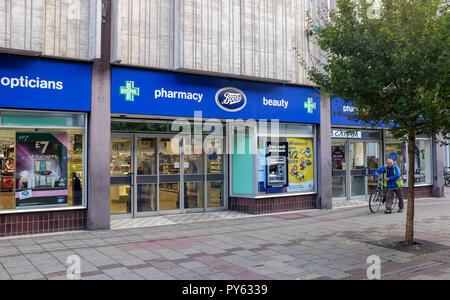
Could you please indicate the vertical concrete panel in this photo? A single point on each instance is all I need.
(49, 30)
(37, 25)
(18, 27)
(3, 23)
(324, 195)
(100, 134)
(71, 28)
(304, 45)
(143, 33)
(235, 37)
(84, 34)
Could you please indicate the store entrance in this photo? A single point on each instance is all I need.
(352, 161)
(164, 174)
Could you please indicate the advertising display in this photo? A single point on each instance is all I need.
(301, 165)
(41, 169)
(337, 158)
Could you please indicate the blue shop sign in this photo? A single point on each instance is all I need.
(36, 83)
(136, 91)
(341, 110)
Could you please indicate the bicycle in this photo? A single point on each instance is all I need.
(378, 196)
(447, 176)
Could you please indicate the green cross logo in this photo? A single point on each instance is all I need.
(129, 91)
(310, 105)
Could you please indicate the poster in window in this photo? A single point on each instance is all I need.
(301, 165)
(338, 158)
(41, 168)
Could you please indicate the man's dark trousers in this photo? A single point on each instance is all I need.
(390, 198)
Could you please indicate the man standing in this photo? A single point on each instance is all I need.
(393, 183)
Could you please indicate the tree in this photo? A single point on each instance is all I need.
(392, 62)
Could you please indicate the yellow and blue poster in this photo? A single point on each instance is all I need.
(301, 164)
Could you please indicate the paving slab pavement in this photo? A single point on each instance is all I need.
(317, 244)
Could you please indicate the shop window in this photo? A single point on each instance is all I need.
(41, 168)
(242, 176)
(422, 159)
(398, 152)
(286, 166)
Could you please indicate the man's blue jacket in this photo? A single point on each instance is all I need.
(393, 173)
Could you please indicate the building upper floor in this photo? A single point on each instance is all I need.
(251, 39)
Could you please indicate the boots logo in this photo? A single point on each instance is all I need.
(231, 99)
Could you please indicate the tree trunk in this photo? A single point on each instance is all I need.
(409, 235)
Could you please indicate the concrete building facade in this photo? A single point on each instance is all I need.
(148, 65)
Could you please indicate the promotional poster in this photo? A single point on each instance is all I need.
(301, 165)
(338, 158)
(41, 169)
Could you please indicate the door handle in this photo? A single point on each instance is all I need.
(131, 179)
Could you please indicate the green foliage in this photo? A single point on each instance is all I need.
(394, 68)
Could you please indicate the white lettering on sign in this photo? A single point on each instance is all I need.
(162, 93)
(275, 102)
(352, 134)
(349, 108)
(33, 83)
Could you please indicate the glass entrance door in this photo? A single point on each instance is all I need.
(165, 174)
(374, 161)
(170, 165)
(352, 160)
(121, 172)
(339, 173)
(146, 175)
(357, 170)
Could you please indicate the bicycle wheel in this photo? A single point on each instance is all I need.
(394, 202)
(375, 201)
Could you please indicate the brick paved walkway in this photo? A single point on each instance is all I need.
(318, 244)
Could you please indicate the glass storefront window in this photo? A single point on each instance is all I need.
(338, 156)
(120, 157)
(169, 196)
(338, 186)
(215, 157)
(169, 156)
(193, 156)
(146, 156)
(398, 151)
(193, 195)
(146, 197)
(422, 159)
(215, 194)
(120, 199)
(292, 173)
(41, 168)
